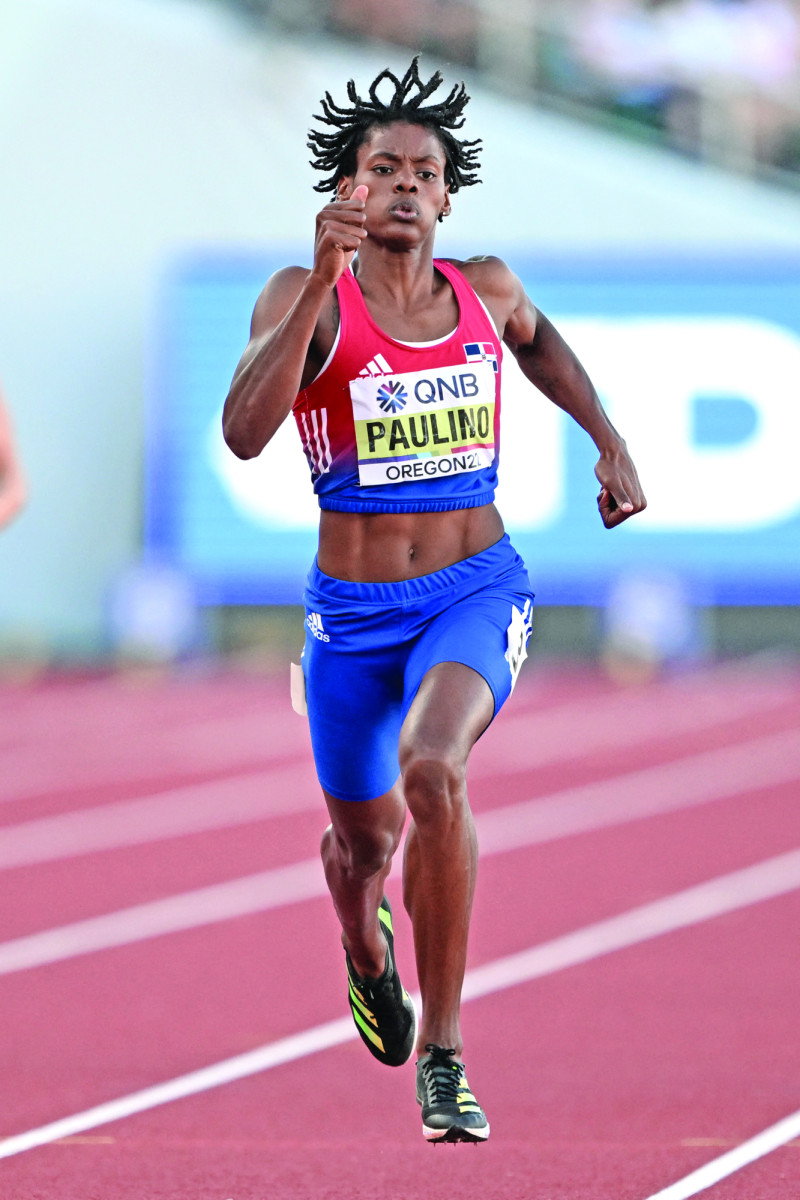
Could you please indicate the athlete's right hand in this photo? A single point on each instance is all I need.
(340, 232)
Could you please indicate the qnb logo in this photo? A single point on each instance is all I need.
(314, 623)
(392, 396)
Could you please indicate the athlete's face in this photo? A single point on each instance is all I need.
(403, 166)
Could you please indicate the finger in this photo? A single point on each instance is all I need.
(619, 499)
(610, 513)
(361, 193)
(348, 229)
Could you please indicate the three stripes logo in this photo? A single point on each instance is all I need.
(376, 366)
(314, 432)
(315, 627)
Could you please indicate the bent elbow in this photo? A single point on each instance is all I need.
(238, 440)
(234, 444)
(240, 447)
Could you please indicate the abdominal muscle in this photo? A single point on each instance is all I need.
(388, 547)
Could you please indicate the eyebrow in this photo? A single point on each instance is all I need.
(390, 154)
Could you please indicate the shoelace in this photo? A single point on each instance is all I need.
(442, 1077)
(378, 993)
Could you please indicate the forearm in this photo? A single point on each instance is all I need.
(553, 368)
(270, 374)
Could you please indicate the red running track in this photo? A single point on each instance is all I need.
(633, 979)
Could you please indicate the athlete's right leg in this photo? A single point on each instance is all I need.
(357, 851)
(354, 664)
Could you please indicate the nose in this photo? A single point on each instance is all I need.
(405, 181)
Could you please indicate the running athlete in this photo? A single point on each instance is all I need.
(12, 480)
(418, 610)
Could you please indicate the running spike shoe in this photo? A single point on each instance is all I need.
(383, 1011)
(450, 1112)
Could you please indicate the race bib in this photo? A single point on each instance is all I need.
(424, 424)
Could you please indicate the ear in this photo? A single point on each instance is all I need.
(344, 188)
(446, 206)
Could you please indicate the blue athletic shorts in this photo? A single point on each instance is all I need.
(369, 645)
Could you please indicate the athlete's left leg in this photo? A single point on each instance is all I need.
(452, 707)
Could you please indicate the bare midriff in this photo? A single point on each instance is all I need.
(388, 547)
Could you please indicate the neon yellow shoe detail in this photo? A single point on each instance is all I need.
(383, 1011)
(450, 1112)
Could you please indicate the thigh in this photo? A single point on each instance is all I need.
(487, 632)
(355, 695)
(451, 708)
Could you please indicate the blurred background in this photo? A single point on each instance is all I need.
(641, 173)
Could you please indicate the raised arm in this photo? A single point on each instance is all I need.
(548, 362)
(287, 343)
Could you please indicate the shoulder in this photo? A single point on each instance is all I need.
(487, 273)
(496, 284)
(277, 297)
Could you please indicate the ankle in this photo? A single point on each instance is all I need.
(443, 1043)
(368, 963)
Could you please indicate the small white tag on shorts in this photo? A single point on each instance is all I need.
(297, 689)
(518, 633)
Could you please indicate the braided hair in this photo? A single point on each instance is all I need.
(336, 152)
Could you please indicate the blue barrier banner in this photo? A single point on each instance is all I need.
(697, 363)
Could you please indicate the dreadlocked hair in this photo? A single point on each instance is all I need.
(336, 152)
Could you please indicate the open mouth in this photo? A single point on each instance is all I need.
(405, 209)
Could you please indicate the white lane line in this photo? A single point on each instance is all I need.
(683, 783)
(763, 1143)
(174, 914)
(193, 808)
(222, 804)
(524, 739)
(628, 719)
(98, 756)
(698, 779)
(289, 1049)
(727, 893)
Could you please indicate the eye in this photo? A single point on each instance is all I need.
(382, 169)
(426, 175)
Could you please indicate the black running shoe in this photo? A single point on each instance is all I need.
(383, 1011)
(450, 1112)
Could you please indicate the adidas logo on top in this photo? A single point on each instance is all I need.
(377, 366)
(314, 623)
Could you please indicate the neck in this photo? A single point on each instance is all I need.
(402, 275)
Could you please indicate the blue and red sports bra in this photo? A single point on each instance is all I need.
(390, 426)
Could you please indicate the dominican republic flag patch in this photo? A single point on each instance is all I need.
(481, 352)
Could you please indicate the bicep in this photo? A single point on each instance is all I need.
(522, 323)
(275, 301)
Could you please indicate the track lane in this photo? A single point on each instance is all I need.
(522, 746)
(250, 966)
(704, 778)
(603, 1141)
(97, 759)
(627, 1076)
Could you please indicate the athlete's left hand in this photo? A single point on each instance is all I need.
(621, 494)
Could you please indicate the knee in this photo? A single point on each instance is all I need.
(435, 787)
(363, 851)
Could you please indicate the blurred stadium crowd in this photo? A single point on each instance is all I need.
(715, 79)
